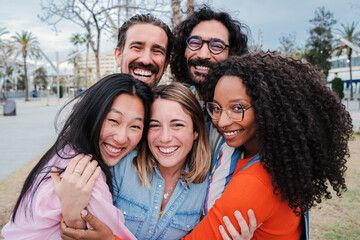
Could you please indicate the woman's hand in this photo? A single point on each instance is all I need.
(98, 231)
(247, 232)
(74, 189)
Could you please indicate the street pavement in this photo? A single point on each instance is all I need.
(28, 134)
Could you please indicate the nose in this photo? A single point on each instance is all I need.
(121, 136)
(146, 57)
(204, 52)
(224, 120)
(165, 135)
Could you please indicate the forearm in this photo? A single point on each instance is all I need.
(73, 218)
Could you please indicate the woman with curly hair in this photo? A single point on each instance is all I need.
(295, 134)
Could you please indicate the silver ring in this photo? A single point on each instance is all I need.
(77, 171)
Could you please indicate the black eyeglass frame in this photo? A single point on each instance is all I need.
(228, 111)
(208, 43)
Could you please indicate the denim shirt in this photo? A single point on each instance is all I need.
(141, 205)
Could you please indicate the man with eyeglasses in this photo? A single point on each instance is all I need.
(203, 39)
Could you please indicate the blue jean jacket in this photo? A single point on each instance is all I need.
(141, 205)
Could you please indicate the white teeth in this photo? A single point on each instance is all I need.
(231, 133)
(168, 150)
(143, 73)
(111, 149)
(202, 67)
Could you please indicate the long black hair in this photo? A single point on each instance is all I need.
(81, 130)
(302, 129)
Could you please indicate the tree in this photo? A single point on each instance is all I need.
(349, 33)
(176, 17)
(6, 50)
(40, 78)
(29, 47)
(86, 14)
(87, 39)
(337, 85)
(319, 45)
(77, 39)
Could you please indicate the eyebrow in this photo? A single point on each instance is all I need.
(114, 110)
(172, 120)
(235, 100)
(160, 47)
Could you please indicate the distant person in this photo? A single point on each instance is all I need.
(105, 124)
(143, 48)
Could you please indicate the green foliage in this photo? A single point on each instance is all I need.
(61, 91)
(337, 86)
(40, 78)
(319, 45)
(21, 82)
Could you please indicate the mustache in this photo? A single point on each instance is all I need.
(201, 62)
(151, 67)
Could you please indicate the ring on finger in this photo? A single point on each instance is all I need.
(77, 171)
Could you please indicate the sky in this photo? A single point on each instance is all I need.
(273, 18)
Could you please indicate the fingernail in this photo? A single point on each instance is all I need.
(84, 212)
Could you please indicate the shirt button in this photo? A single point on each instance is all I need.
(187, 226)
(149, 231)
(156, 207)
(159, 185)
(124, 212)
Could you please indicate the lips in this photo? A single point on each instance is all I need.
(167, 150)
(113, 151)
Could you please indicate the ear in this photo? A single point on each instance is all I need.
(117, 54)
(196, 135)
(166, 64)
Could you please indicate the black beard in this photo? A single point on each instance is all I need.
(201, 62)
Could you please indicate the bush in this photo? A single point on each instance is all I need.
(338, 87)
(61, 91)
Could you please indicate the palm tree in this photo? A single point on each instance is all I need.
(28, 47)
(349, 33)
(76, 39)
(87, 40)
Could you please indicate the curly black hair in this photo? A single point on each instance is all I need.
(237, 39)
(302, 128)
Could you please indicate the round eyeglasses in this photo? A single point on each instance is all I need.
(215, 45)
(235, 112)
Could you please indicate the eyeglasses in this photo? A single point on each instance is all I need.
(235, 112)
(215, 45)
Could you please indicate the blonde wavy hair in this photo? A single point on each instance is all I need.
(199, 158)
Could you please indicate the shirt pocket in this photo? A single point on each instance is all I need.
(181, 224)
(134, 213)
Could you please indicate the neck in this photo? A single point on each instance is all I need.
(170, 173)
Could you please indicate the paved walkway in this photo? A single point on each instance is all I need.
(28, 134)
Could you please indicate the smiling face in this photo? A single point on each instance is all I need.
(144, 53)
(230, 90)
(171, 134)
(200, 61)
(122, 128)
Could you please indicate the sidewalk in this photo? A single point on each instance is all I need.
(28, 134)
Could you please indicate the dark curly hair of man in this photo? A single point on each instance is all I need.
(302, 129)
(237, 39)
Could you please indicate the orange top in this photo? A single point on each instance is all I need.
(251, 189)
